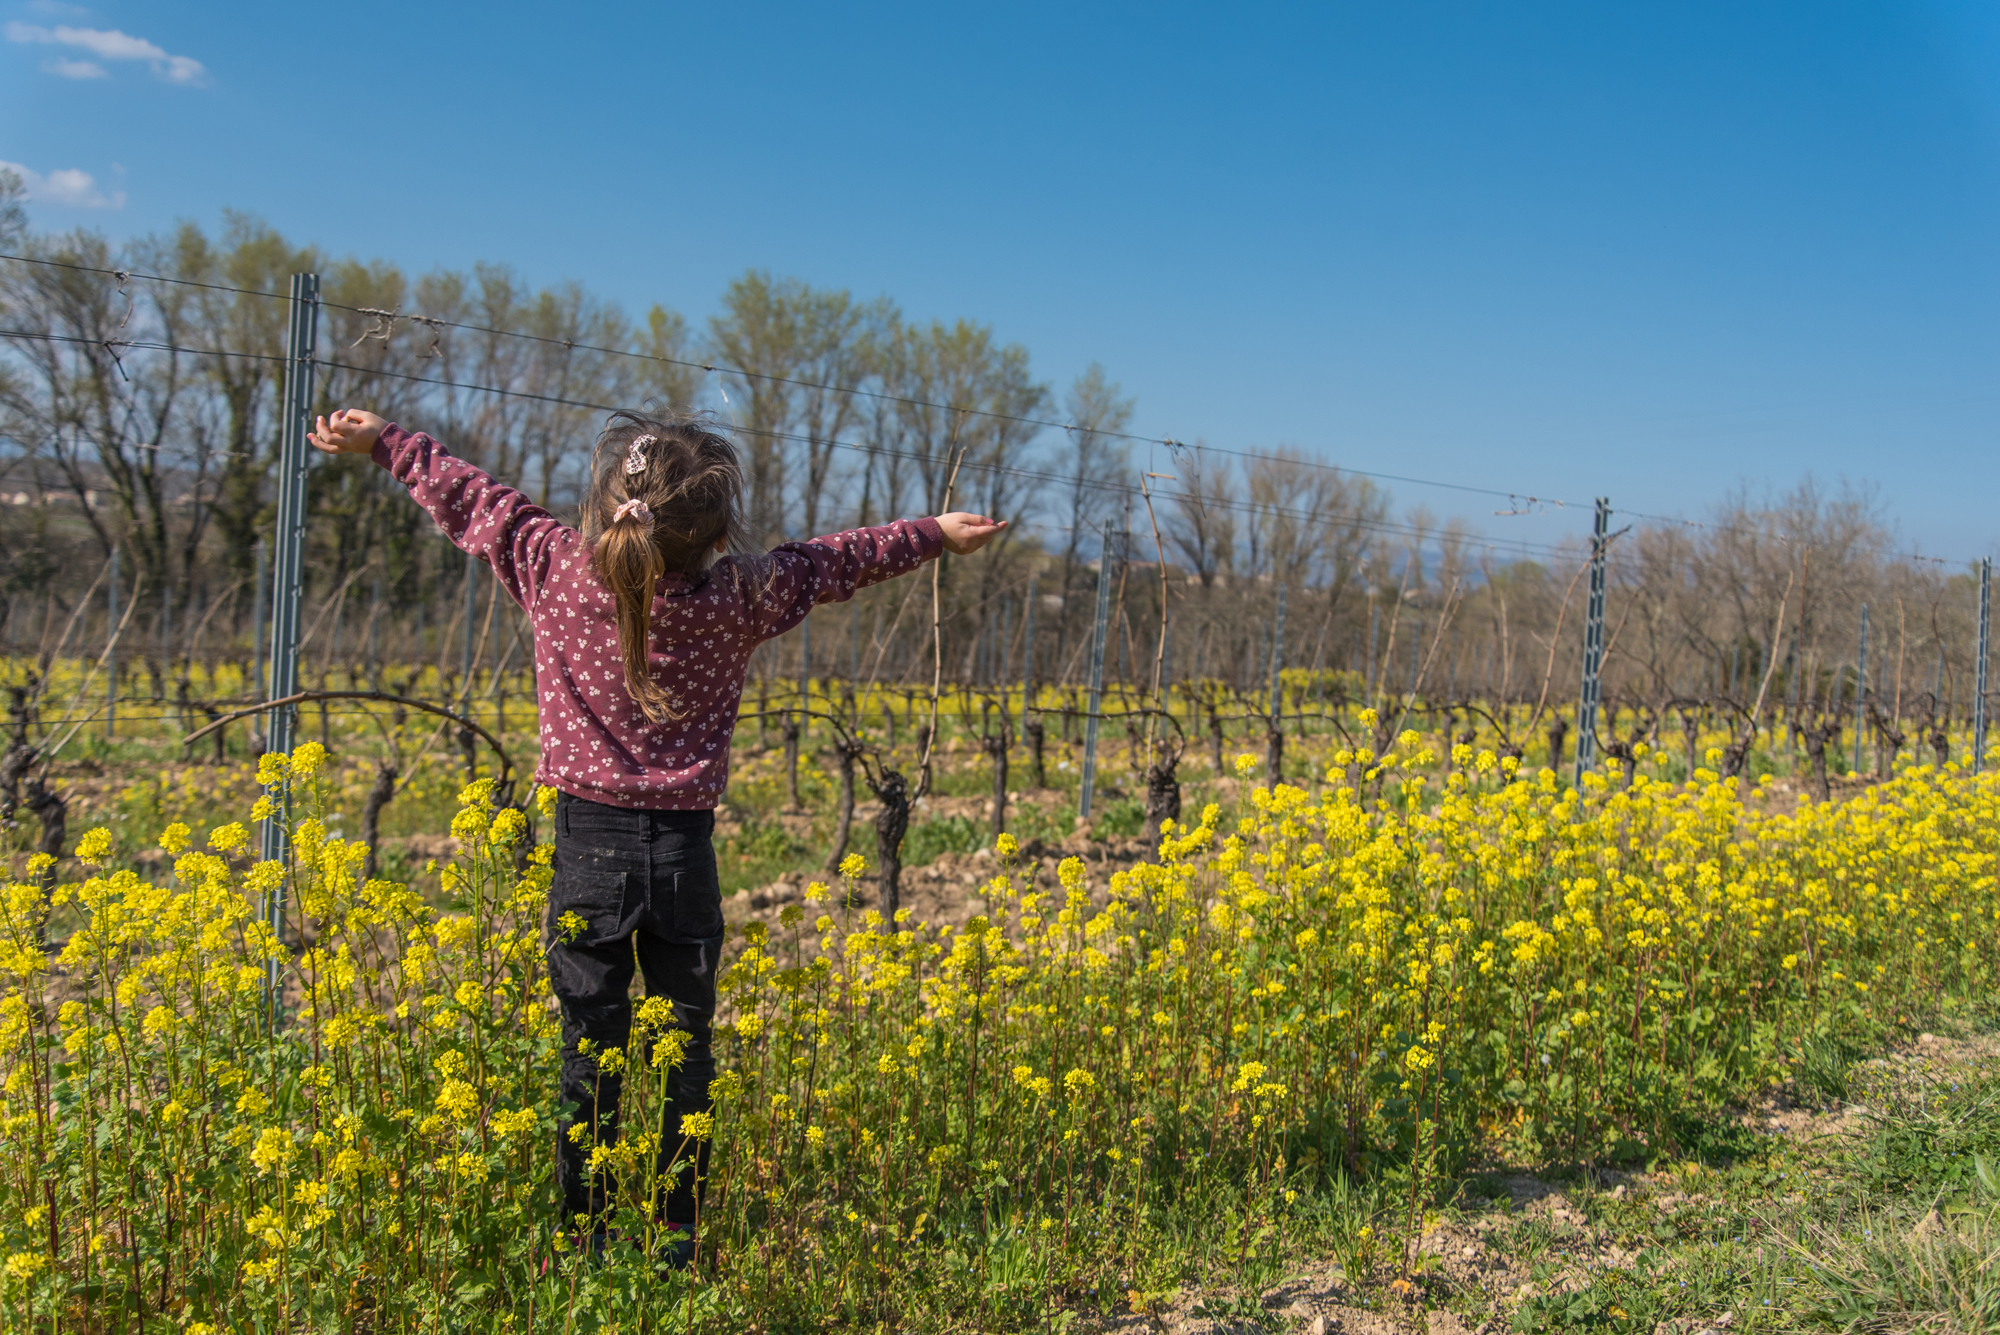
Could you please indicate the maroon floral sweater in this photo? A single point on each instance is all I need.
(596, 741)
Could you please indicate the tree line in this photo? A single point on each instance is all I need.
(140, 384)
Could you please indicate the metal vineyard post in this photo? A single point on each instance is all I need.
(287, 574)
(1278, 656)
(1979, 668)
(1593, 646)
(1105, 562)
(111, 654)
(1861, 689)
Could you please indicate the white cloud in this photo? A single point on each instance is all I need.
(183, 70)
(68, 186)
(76, 69)
(111, 44)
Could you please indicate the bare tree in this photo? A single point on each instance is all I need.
(1093, 461)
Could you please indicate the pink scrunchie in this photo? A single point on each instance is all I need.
(634, 509)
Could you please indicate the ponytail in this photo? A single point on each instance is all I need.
(664, 496)
(625, 559)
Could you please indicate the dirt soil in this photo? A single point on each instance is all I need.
(947, 889)
(950, 888)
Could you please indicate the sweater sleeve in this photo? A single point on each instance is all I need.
(489, 519)
(830, 569)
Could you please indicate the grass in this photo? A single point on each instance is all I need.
(1936, 1133)
(756, 855)
(1881, 1216)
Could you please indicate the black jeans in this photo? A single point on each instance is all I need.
(643, 886)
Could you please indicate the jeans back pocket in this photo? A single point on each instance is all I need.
(591, 905)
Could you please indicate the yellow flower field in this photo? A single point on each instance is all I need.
(1094, 1089)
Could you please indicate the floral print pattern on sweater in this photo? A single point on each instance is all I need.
(596, 741)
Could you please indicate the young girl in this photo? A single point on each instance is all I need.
(642, 638)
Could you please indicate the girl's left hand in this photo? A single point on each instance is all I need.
(349, 431)
(965, 533)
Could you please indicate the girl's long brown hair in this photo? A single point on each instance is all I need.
(694, 488)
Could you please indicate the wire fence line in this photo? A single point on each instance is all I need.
(1119, 488)
(1406, 606)
(388, 317)
(1520, 497)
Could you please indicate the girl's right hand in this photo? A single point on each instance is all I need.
(965, 533)
(349, 431)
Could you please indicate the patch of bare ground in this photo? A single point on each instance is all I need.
(950, 889)
(807, 825)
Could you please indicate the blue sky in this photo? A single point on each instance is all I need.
(1652, 251)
